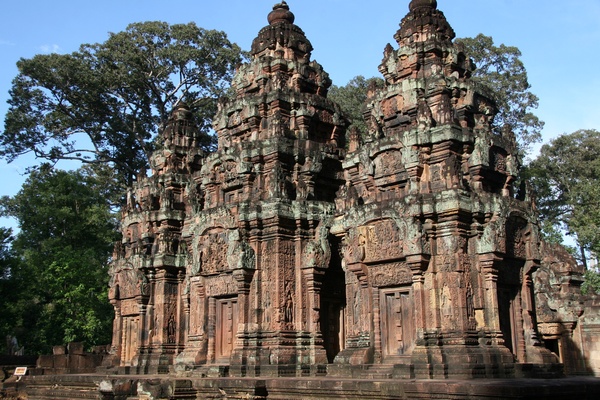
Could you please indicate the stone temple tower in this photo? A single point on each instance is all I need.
(288, 251)
(438, 254)
(149, 263)
(256, 245)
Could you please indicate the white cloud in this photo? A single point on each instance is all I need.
(50, 48)
(6, 43)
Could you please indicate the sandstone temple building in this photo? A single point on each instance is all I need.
(300, 247)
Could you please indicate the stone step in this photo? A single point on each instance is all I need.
(379, 371)
(58, 387)
(66, 392)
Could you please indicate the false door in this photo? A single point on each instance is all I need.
(397, 322)
(226, 328)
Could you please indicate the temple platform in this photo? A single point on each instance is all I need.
(130, 387)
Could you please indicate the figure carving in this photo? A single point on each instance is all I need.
(424, 116)
(288, 310)
(240, 254)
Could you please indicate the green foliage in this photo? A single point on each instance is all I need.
(352, 98)
(565, 178)
(5, 255)
(56, 291)
(501, 69)
(591, 285)
(105, 103)
(7, 295)
(551, 233)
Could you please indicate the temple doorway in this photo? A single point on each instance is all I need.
(397, 322)
(510, 305)
(225, 328)
(507, 313)
(129, 344)
(332, 327)
(333, 305)
(508, 316)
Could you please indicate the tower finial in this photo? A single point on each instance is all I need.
(414, 4)
(281, 13)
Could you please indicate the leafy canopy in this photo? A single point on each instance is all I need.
(106, 102)
(565, 177)
(5, 255)
(591, 285)
(352, 98)
(56, 288)
(501, 69)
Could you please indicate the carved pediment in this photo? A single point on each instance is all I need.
(388, 275)
(376, 242)
(388, 163)
(128, 283)
(212, 252)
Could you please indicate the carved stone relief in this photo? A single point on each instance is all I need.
(386, 275)
(213, 252)
(220, 286)
(388, 163)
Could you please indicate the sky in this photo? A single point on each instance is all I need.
(559, 42)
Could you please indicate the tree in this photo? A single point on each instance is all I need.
(7, 298)
(106, 102)
(57, 287)
(5, 255)
(9, 290)
(565, 178)
(501, 69)
(591, 284)
(352, 98)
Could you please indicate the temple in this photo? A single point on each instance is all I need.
(301, 248)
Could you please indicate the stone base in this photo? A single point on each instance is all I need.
(150, 363)
(467, 362)
(355, 356)
(192, 355)
(155, 387)
(284, 354)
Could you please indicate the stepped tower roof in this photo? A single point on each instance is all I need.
(281, 92)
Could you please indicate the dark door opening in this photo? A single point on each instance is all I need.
(333, 303)
(508, 317)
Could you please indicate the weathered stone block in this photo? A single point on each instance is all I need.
(75, 348)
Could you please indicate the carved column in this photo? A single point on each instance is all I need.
(487, 265)
(376, 328)
(314, 281)
(212, 320)
(117, 330)
(182, 312)
(143, 330)
(417, 264)
(150, 309)
(157, 297)
(185, 299)
(243, 278)
(313, 278)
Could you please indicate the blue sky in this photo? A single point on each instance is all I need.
(560, 41)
